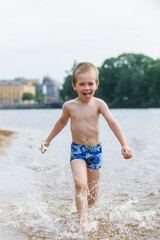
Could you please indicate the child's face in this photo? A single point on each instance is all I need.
(85, 86)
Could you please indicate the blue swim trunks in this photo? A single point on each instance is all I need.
(92, 155)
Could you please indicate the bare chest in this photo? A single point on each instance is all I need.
(84, 114)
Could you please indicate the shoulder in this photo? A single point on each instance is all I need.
(68, 103)
(102, 106)
(100, 102)
(67, 106)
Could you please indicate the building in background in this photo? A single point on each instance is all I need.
(50, 88)
(12, 91)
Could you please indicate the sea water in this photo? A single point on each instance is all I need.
(37, 190)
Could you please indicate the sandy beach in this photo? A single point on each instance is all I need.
(6, 233)
(5, 140)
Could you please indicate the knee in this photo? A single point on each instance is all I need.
(81, 186)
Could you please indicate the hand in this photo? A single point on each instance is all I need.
(126, 152)
(44, 147)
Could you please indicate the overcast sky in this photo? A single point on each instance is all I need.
(45, 37)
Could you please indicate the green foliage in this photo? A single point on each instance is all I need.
(153, 80)
(123, 80)
(130, 80)
(67, 92)
(39, 96)
(16, 100)
(27, 96)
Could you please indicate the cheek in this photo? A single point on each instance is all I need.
(80, 88)
(93, 88)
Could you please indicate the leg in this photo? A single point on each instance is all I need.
(79, 171)
(93, 178)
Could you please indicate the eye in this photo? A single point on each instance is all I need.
(81, 84)
(90, 84)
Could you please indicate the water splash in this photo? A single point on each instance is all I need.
(128, 205)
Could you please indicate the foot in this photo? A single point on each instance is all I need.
(82, 227)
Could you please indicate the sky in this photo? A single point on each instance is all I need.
(45, 37)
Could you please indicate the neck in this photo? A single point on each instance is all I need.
(85, 102)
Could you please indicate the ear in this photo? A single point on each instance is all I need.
(97, 84)
(74, 86)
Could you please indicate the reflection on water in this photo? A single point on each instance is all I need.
(37, 191)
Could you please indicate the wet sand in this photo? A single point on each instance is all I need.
(5, 140)
(6, 233)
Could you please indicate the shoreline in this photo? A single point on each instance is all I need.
(6, 137)
(42, 105)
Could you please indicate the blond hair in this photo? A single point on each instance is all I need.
(84, 67)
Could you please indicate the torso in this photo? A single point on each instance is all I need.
(84, 121)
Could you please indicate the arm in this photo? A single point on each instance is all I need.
(60, 124)
(104, 110)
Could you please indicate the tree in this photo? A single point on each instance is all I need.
(122, 80)
(67, 92)
(39, 96)
(130, 80)
(153, 79)
(108, 80)
(27, 96)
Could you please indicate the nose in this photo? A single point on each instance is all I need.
(86, 86)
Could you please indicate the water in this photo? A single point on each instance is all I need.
(37, 191)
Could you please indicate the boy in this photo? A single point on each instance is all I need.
(86, 150)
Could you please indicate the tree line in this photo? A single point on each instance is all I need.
(130, 80)
(29, 96)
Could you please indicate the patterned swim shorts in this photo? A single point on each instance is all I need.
(92, 155)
